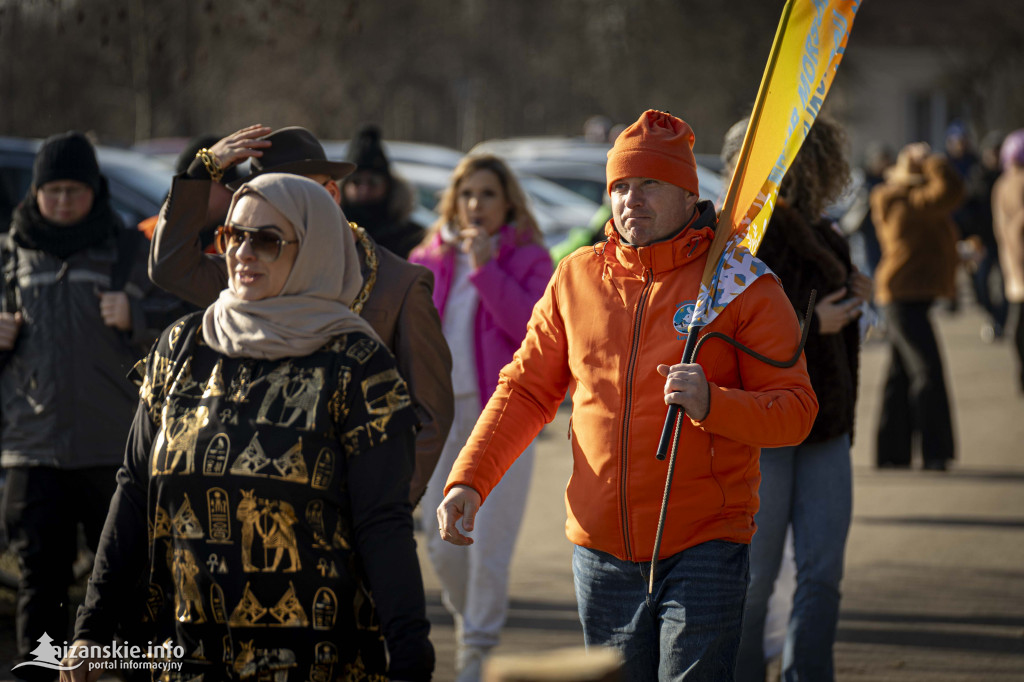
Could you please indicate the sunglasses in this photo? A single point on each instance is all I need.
(263, 241)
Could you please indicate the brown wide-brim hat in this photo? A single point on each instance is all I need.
(294, 150)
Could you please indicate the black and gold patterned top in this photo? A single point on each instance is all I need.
(275, 499)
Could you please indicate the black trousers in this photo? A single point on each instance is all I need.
(915, 401)
(42, 507)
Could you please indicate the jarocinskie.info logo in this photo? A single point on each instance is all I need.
(115, 656)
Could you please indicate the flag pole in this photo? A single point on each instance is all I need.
(723, 233)
(673, 419)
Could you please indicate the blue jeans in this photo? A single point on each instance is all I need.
(689, 629)
(809, 486)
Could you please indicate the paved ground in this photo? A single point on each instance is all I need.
(934, 587)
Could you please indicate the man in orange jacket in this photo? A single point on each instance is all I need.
(610, 325)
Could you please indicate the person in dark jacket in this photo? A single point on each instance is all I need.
(77, 316)
(809, 485)
(376, 198)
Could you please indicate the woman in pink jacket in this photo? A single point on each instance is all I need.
(490, 267)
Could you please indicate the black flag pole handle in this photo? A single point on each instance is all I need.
(670, 443)
(673, 410)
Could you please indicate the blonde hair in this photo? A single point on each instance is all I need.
(519, 214)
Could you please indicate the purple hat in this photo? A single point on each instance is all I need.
(1012, 151)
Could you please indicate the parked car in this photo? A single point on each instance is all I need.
(406, 152)
(138, 183)
(578, 165)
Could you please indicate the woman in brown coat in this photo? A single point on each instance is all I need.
(911, 211)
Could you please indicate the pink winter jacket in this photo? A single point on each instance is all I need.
(507, 288)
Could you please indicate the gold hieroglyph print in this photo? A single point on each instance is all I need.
(385, 393)
(184, 383)
(215, 384)
(292, 397)
(248, 611)
(188, 600)
(217, 564)
(177, 438)
(215, 461)
(228, 656)
(175, 334)
(325, 655)
(273, 522)
(154, 381)
(217, 604)
(337, 406)
(292, 465)
(356, 672)
(241, 383)
(263, 665)
(327, 569)
(276, 380)
(325, 609)
(280, 535)
(249, 515)
(185, 522)
(252, 459)
(288, 611)
(200, 653)
(362, 350)
(315, 521)
(160, 526)
(323, 470)
(219, 513)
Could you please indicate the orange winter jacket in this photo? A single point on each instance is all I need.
(610, 315)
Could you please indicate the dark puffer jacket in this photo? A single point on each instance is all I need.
(66, 398)
(806, 257)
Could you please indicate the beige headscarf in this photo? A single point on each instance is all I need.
(313, 305)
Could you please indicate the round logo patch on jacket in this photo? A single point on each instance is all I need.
(681, 320)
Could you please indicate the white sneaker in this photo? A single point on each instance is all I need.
(469, 663)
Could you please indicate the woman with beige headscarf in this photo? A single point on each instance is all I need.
(264, 494)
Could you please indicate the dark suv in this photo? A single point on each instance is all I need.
(138, 183)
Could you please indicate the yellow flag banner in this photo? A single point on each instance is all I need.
(809, 44)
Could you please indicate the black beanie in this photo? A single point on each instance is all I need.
(66, 156)
(366, 152)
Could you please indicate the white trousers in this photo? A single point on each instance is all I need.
(475, 578)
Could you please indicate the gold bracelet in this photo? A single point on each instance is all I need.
(209, 160)
(372, 263)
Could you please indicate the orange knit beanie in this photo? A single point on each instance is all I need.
(658, 146)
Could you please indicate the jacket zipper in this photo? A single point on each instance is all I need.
(637, 325)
